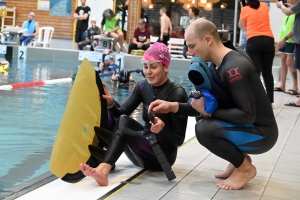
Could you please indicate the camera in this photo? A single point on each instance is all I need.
(196, 94)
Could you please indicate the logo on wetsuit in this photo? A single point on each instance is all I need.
(234, 75)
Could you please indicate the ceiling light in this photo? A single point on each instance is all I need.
(150, 6)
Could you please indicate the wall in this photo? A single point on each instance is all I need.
(276, 17)
(134, 13)
(63, 26)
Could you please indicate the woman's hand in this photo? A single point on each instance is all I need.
(158, 126)
(281, 43)
(107, 96)
(198, 104)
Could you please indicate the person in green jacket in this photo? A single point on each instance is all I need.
(286, 49)
(112, 29)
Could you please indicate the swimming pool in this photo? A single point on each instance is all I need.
(30, 117)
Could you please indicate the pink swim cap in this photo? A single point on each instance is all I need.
(157, 52)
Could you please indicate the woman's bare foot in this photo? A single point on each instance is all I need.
(230, 169)
(240, 177)
(100, 174)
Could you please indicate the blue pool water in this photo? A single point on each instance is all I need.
(30, 117)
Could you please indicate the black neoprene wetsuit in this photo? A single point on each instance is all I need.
(138, 149)
(248, 125)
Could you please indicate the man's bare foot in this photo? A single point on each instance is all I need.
(240, 177)
(96, 173)
(230, 169)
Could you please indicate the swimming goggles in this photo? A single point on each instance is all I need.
(148, 62)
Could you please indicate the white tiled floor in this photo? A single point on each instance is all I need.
(278, 171)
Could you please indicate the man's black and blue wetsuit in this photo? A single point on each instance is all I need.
(247, 125)
(138, 149)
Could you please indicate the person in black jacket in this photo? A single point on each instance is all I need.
(247, 125)
(82, 14)
(169, 128)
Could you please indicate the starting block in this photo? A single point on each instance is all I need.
(137, 52)
(101, 43)
(10, 35)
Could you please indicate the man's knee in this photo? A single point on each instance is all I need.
(81, 44)
(201, 131)
(132, 45)
(145, 46)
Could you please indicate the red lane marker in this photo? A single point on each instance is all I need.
(27, 84)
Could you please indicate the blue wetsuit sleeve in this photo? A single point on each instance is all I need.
(175, 132)
(131, 103)
(235, 75)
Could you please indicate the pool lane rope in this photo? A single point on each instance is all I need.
(35, 83)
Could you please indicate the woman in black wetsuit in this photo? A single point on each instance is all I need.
(245, 125)
(169, 129)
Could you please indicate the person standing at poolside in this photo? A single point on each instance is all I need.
(286, 49)
(82, 14)
(288, 9)
(194, 14)
(260, 47)
(165, 26)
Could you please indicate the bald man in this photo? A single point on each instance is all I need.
(243, 125)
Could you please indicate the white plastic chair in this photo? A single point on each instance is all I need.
(176, 46)
(44, 37)
(153, 39)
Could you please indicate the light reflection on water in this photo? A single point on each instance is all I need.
(30, 118)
